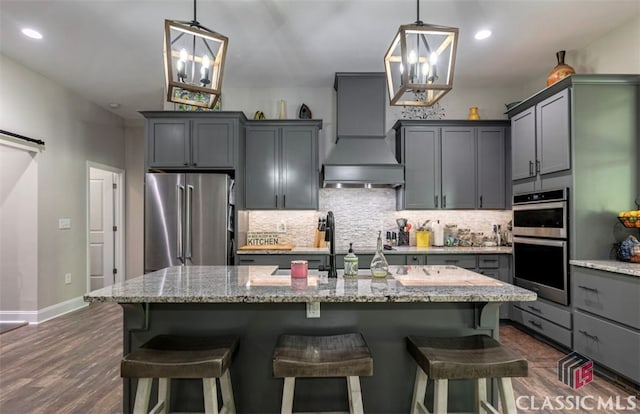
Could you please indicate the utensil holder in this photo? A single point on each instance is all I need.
(422, 238)
(403, 238)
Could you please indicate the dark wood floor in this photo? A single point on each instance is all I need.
(71, 365)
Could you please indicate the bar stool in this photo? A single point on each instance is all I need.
(168, 356)
(344, 355)
(472, 357)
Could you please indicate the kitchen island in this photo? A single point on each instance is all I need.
(258, 304)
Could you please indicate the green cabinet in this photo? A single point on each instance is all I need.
(452, 164)
(183, 140)
(281, 165)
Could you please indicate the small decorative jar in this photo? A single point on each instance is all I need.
(351, 263)
(561, 70)
(464, 238)
(451, 235)
(473, 113)
(299, 269)
(477, 238)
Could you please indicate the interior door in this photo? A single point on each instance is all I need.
(101, 233)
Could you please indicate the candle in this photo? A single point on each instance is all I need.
(182, 65)
(299, 269)
(204, 70)
(413, 63)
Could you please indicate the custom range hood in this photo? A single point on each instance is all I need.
(361, 156)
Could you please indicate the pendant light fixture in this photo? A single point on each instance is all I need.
(194, 59)
(419, 63)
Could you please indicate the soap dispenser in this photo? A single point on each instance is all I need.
(379, 265)
(350, 263)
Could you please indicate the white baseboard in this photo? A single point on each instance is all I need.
(45, 314)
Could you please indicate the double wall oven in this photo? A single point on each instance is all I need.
(540, 244)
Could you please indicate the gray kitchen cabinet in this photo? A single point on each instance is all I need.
(184, 140)
(541, 138)
(281, 165)
(599, 113)
(458, 167)
(545, 318)
(492, 161)
(466, 261)
(607, 319)
(282, 260)
(421, 157)
(452, 164)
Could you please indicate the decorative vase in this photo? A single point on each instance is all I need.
(282, 113)
(561, 70)
(473, 113)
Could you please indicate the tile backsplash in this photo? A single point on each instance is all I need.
(359, 215)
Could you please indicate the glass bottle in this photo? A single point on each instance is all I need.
(379, 265)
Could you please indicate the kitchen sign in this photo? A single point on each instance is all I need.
(260, 238)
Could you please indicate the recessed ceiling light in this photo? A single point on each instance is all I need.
(34, 34)
(482, 34)
(114, 105)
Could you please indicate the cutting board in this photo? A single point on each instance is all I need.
(282, 246)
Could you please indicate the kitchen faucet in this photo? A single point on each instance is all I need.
(330, 236)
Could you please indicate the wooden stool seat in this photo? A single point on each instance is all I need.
(170, 356)
(345, 355)
(475, 357)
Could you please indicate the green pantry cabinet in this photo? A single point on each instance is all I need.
(281, 164)
(453, 164)
(178, 140)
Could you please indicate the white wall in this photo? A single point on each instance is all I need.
(18, 230)
(75, 131)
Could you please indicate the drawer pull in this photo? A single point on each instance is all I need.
(533, 308)
(247, 260)
(587, 288)
(536, 324)
(585, 333)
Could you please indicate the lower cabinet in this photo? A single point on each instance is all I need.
(548, 319)
(283, 261)
(607, 319)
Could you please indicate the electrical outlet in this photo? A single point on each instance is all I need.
(313, 309)
(64, 223)
(281, 227)
(67, 278)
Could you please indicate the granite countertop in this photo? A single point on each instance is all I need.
(397, 250)
(259, 284)
(625, 268)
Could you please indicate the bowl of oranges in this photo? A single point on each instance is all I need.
(630, 219)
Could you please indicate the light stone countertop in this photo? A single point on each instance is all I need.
(625, 268)
(397, 250)
(258, 284)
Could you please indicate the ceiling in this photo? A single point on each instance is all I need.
(110, 51)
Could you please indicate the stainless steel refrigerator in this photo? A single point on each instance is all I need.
(188, 220)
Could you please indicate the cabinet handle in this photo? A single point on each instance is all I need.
(414, 258)
(247, 260)
(589, 289)
(480, 201)
(530, 168)
(284, 201)
(533, 308)
(537, 166)
(444, 201)
(186, 163)
(536, 324)
(195, 164)
(276, 200)
(436, 201)
(588, 335)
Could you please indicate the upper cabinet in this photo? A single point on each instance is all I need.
(184, 140)
(281, 164)
(452, 164)
(541, 138)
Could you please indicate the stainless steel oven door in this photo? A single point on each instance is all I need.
(542, 265)
(541, 220)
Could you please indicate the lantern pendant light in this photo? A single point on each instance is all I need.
(194, 59)
(419, 63)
